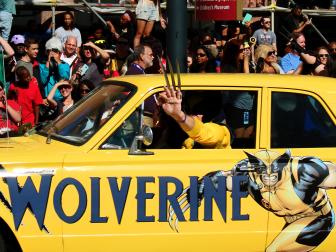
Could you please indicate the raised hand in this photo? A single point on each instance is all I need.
(171, 100)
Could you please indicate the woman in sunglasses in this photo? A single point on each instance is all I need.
(65, 88)
(322, 61)
(204, 62)
(84, 88)
(266, 60)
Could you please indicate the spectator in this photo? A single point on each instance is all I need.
(236, 31)
(93, 63)
(253, 3)
(125, 28)
(266, 60)
(235, 57)
(221, 33)
(204, 63)
(143, 59)
(157, 49)
(28, 96)
(29, 60)
(291, 63)
(84, 88)
(296, 21)
(332, 50)
(7, 10)
(18, 42)
(10, 108)
(54, 69)
(65, 88)
(122, 51)
(68, 29)
(147, 12)
(69, 55)
(264, 35)
(8, 54)
(322, 61)
(31, 49)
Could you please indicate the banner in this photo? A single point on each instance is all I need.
(219, 9)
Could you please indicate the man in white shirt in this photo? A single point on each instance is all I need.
(69, 54)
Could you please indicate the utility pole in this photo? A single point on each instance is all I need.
(177, 33)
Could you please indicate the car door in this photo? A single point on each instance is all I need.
(303, 123)
(121, 201)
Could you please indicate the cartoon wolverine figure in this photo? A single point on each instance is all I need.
(290, 187)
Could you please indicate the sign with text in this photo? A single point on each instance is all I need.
(219, 9)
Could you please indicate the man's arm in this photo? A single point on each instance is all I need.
(9, 51)
(210, 134)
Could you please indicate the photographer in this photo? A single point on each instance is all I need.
(54, 69)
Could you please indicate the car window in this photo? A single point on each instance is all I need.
(82, 121)
(300, 121)
(233, 109)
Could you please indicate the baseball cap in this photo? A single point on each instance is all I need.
(64, 84)
(54, 43)
(18, 39)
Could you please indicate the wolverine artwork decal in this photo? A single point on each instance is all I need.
(290, 187)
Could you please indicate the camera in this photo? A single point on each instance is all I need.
(53, 66)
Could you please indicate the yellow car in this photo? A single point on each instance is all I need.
(111, 174)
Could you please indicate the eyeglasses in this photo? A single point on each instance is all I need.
(201, 54)
(267, 22)
(84, 91)
(64, 87)
(332, 49)
(323, 55)
(271, 53)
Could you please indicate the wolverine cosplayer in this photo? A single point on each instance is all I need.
(292, 188)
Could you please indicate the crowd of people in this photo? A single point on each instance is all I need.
(44, 75)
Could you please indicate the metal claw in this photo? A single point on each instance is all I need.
(178, 71)
(164, 72)
(171, 73)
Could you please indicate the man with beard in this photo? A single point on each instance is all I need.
(143, 59)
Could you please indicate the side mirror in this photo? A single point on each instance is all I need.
(147, 134)
(146, 138)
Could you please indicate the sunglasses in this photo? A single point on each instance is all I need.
(201, 54)
(87, 48)
(271, 53)
(332, 49)
(324, 55)
(84, 91)
(267, 22)
(64, 87)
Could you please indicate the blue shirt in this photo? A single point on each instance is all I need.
(290, 62)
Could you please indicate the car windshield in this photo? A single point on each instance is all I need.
(83, 120)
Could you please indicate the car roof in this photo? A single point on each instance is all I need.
(303, 82)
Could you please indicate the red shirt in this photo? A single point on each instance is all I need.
(28, 98)
(3, 116)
